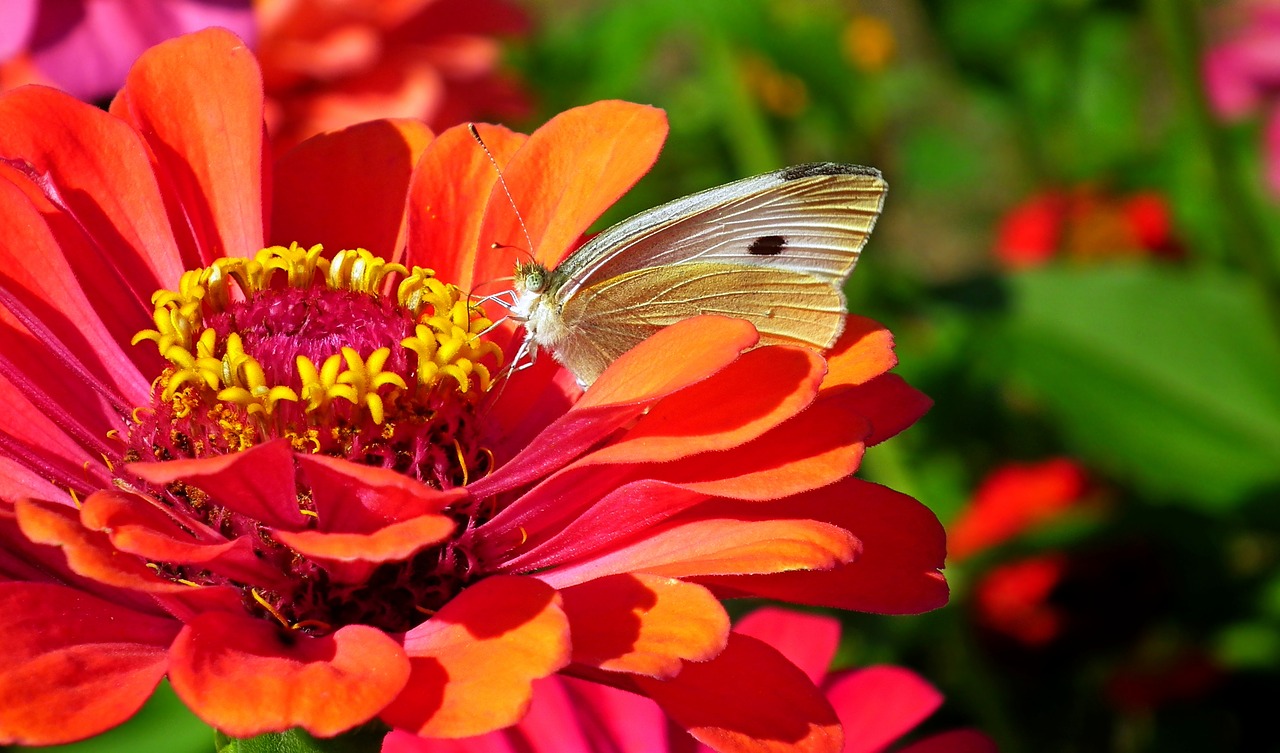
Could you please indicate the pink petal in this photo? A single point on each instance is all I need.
(807, 640)
(878, 705)
(90, 55)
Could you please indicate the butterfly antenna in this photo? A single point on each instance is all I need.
(475, 134)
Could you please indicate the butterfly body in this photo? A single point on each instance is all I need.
(774, 249)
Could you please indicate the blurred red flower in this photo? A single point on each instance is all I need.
(86, 47)
(1085, 224)
(333, 64)
(1013, 598)
(299, 499)
(876, 705)
(1242, 71)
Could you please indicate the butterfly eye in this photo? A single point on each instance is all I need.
(536, 281)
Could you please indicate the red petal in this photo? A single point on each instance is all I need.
(258, 482)
(355, 498)
(139, 526)
(205, 141)
(447, 196)
(903, 548)
(71, 665)
(347, 189)
(572, 169)
(473, 662)
(744, 543)
(654, 369)
(88, 553)
(755, 393)
(889, 404)
(807, 640)
(247, 676)
(40, 287)
(643, 624)
(622, 512)
(725, 704)
(956, 741)
(95, 168)
(878, 705)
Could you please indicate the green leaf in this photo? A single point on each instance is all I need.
(367, 739)
(1166, 378)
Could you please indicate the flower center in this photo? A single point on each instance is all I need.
(354, 358)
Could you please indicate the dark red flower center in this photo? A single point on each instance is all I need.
(353, 358)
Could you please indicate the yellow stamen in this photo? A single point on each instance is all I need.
(270, 609)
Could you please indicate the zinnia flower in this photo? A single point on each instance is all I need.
(87, 46)
(1014, 598)
(1085, 224)
(876, 705)
(330, 65)
(278, 475)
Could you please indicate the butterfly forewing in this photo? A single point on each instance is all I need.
(809, 218)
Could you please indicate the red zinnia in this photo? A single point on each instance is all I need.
(1013, 598)
(296, 496)
(876, 705)
(1085, 224)
(330, 65)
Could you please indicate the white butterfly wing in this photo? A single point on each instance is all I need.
(774, 249)
(812, 218)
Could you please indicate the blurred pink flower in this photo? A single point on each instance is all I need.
(1242, 76)
(876, 705)
(86, 47)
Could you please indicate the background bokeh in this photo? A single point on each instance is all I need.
(1079, 260)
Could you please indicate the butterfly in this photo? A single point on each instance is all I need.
(774, 249)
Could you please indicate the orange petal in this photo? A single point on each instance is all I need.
(744, 543)
(247, 676)
(864, 351)
(447, 196)
(205, 141)
(72, 665)
(474, 661)
(897, 572)
(572, 169)
(755, 393)
(394, 543)
(88, 553)
(818, 447)
(355, 498)
(347, 189)
(258, 482)
(724, 704)
(676, 357)
(654, 369)
(643, 624)
(139, 526)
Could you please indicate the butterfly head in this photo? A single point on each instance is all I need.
(531, 277)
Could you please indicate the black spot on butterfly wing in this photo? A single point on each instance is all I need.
(767, 245)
